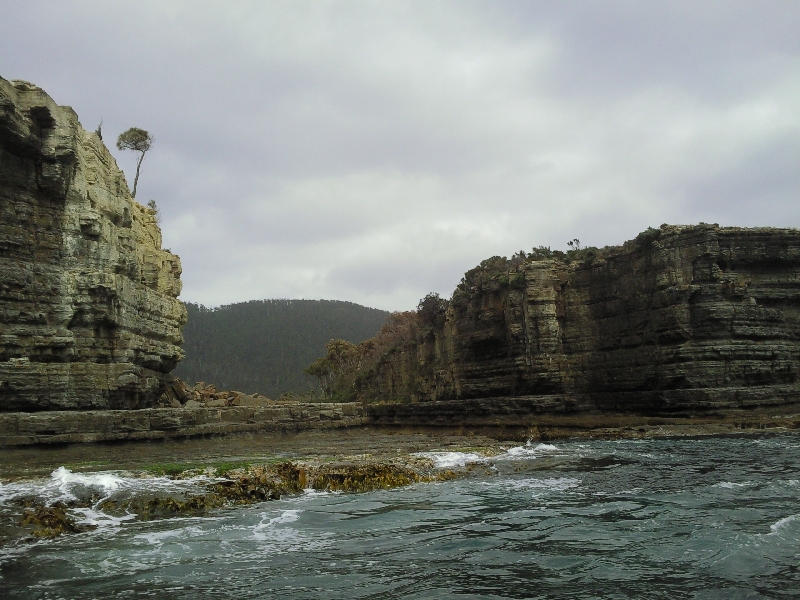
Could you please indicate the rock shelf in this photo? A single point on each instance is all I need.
(58, 427)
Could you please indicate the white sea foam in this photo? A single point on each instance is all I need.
(92, 489)
(286, 516)
(107, 482)
(732, 485)
(444, 460)
(778, 526)
(158, 538)
(537, 487)
(528, 451)
(312, 493)
(64, 485)
(262, 531)
(101, 520)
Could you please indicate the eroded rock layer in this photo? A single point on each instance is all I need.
(682, 318)
(89, 316)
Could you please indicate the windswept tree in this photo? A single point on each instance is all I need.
(138, 140)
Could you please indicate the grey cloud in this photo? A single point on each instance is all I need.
(374, 152)
(615, 47)
(762, 188)
(431, 277)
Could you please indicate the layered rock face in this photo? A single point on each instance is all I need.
(682, 318)
(89, 316)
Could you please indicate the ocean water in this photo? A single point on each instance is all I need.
(668, 518)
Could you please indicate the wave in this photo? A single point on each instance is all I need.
(782, 524)
(84, 495)
(558, 484)
(527, 451)
(538, 486)
(732, 485)
(312, 493)
(444, 460)
(158, 538)
(261, 530)
(67, 486)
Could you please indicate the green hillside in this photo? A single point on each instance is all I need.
(264, 345)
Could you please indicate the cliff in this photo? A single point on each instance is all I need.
(89, 316)
(688, 318)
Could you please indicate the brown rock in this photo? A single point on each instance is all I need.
(682, 318)
(246, 400)
(89, 315)
(49, 521)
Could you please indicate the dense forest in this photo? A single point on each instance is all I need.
(264, 345)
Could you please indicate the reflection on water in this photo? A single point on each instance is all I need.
(685, 518)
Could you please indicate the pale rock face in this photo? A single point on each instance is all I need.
(89, 315)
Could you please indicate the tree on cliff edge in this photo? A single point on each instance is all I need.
(138, 140)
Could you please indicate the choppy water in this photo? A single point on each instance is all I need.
(681, 518)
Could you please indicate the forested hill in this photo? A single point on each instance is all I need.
(264, 345)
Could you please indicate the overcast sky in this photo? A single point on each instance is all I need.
(375, 151)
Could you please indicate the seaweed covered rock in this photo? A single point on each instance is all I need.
(209, 489)
(259, 483)
(50, 521)
(161, 507)
(363, 478)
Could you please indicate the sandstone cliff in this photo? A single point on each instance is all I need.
(89, 316)
(682, 318)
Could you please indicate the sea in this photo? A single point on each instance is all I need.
(708, 517)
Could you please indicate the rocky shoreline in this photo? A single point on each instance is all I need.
(215, 484)
(228, 488)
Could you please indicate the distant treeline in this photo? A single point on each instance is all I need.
(264, 345)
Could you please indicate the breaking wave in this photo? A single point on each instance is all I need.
(445, 460)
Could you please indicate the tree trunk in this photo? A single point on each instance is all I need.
(136, 181)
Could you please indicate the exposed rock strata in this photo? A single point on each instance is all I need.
(59, 427)
(89, 316)
(682, 318)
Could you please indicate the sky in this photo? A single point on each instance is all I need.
(375, 151)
